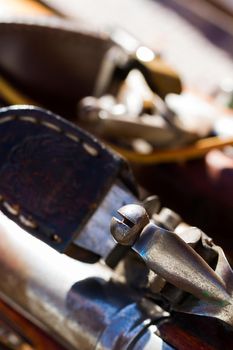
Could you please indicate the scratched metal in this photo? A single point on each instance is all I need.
(170, 257)
(222, 312)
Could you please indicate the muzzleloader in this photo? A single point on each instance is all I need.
(158, 280)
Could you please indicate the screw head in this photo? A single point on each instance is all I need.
(135, 218)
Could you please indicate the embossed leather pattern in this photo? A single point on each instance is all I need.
(53, 175)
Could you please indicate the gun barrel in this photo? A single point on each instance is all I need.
(75, 302)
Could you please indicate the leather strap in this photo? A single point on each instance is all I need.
(53, 174)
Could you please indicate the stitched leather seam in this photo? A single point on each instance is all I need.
(15, 209)
(88, 148)
(27, 222)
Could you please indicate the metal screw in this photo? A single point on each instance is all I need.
(135, 218)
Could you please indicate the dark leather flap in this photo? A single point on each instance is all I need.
(53, 175)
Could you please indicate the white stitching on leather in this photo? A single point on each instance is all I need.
(91, 150)
(51, 126)
(28, 222)
(28, 119)
(72, 137)
(14, 210)
(6, 119)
